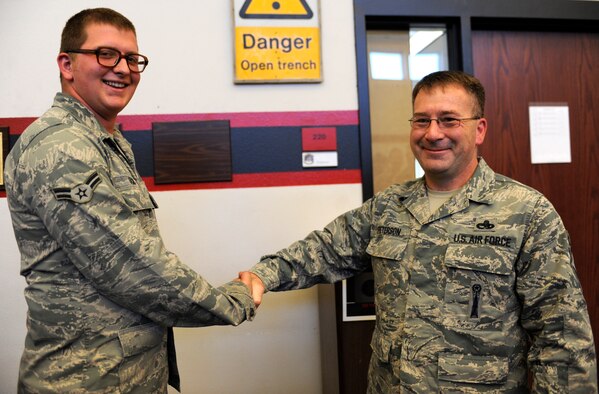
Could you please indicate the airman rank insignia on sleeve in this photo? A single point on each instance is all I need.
(81, 193)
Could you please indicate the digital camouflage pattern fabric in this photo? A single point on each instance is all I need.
(101, 286)
(468, 298)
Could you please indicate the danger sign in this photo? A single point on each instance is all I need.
(277, 41)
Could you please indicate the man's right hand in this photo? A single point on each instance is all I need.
(257, 287)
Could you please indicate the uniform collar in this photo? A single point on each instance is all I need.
(480, 185)
(81, 113)
(478, 189)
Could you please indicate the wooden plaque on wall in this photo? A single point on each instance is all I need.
(4, 142)
(198, 151)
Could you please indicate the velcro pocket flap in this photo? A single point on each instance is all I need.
(463, 368)
(391, 248)
(138, 339)
(487, 259)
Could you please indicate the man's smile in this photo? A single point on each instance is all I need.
(114, 84)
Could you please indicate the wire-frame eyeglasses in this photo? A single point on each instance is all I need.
(445, 122)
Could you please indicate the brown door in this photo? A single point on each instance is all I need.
(519, 68)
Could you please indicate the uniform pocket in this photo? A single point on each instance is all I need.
(134, 193)
(382, 375)
(463, 368)
(480, 286)
(391, 278)
(389, 248)
(381, 346)
(144, 368)
(138, 339)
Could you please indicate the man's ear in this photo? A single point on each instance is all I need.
(481, 131)
(65, 65)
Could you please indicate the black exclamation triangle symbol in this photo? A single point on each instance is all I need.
(281, 9)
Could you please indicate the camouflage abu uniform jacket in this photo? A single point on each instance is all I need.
(466, 296)
(101, 287)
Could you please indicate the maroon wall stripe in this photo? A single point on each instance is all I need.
(329, 177)
(237, 119)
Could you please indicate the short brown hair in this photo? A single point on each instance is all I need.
(74, 35)
(443, 78)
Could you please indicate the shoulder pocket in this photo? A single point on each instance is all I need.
(463, 368)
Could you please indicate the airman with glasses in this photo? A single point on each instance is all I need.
(475, 284)
(103, 291)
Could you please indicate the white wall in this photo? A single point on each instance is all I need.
(281, 347)
(218, 232)
(200, 32)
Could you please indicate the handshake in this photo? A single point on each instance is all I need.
(255, 285)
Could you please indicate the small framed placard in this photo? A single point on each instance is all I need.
(549, 133)
(358, 297)
(4, 142)
(319, 159)
(319, 139)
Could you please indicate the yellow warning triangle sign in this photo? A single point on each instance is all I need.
(281, 9)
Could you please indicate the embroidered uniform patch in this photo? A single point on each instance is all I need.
(81, 193)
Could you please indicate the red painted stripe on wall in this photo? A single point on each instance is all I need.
(237, 119)
(248, 119)
(309, 178)
(329, 177)
(16, 125)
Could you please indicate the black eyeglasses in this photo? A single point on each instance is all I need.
(109, 57)
(445, 122)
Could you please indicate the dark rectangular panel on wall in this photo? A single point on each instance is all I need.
(197, 151)
(4, 142)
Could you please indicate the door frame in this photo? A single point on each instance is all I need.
(461, 18)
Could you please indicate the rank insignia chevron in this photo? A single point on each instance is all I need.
(81, 193)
